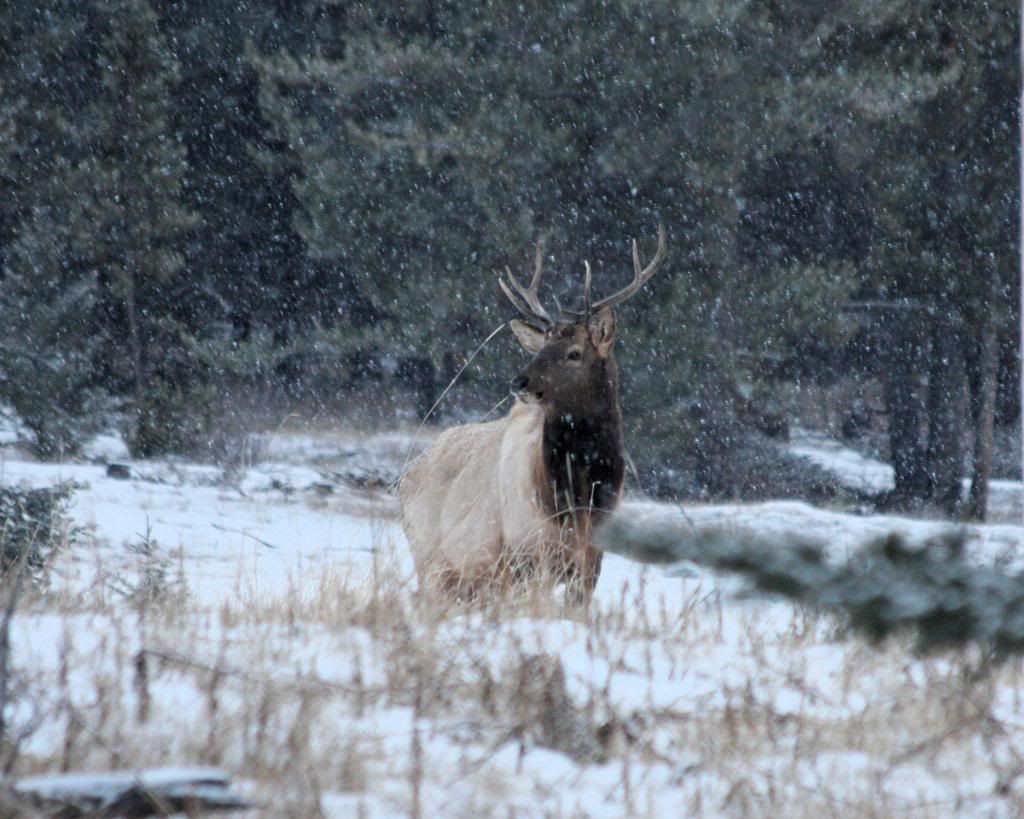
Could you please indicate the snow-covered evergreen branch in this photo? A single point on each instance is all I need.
(889, 585)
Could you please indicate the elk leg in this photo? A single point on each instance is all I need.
(581, 577)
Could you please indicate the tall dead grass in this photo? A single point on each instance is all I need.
(352, 694)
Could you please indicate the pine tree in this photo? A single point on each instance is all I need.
(132, 181)
(49, 291)
(95, 215)
(47, 70)
(387, 217)
(246, 261)
(48, 355)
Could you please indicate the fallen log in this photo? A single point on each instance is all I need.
(134, 794)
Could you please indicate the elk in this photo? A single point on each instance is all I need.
(494, 504)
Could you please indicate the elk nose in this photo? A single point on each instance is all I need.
(519, 383)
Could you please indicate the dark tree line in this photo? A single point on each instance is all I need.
(198, 199)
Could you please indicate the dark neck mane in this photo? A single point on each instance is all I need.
(584, 459)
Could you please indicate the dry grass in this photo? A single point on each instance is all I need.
(350, 695)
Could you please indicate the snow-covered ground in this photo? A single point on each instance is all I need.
(264, 619)
(872, 476)
(855, 470)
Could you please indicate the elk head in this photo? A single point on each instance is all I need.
(572, 365)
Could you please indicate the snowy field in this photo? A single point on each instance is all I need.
(264, 618)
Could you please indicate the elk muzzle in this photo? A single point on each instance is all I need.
(520, 388)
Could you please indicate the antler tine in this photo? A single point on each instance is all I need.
(529, 297)
(526, 299)
(586, 289)
(511, 295)
(538, 265)
(640, 277)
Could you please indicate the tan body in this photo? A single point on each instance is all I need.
(474, 510)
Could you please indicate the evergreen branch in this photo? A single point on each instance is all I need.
(890, 585)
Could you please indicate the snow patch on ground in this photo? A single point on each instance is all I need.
(852, 468)
(287, 644)
(863, 474)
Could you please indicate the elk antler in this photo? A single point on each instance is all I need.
(586, 290)
(525, 299)
(640, 277)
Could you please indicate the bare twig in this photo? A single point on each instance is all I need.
(243, 533)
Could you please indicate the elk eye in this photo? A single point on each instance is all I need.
(574, 355)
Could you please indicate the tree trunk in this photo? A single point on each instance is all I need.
(134, 333)
(905, 408)
(715, 469)
(420, 375)
(945, 426)
(982, 370)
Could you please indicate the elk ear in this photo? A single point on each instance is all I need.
(530, 337)
(602, 330)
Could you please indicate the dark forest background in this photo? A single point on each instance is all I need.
(207, 208)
